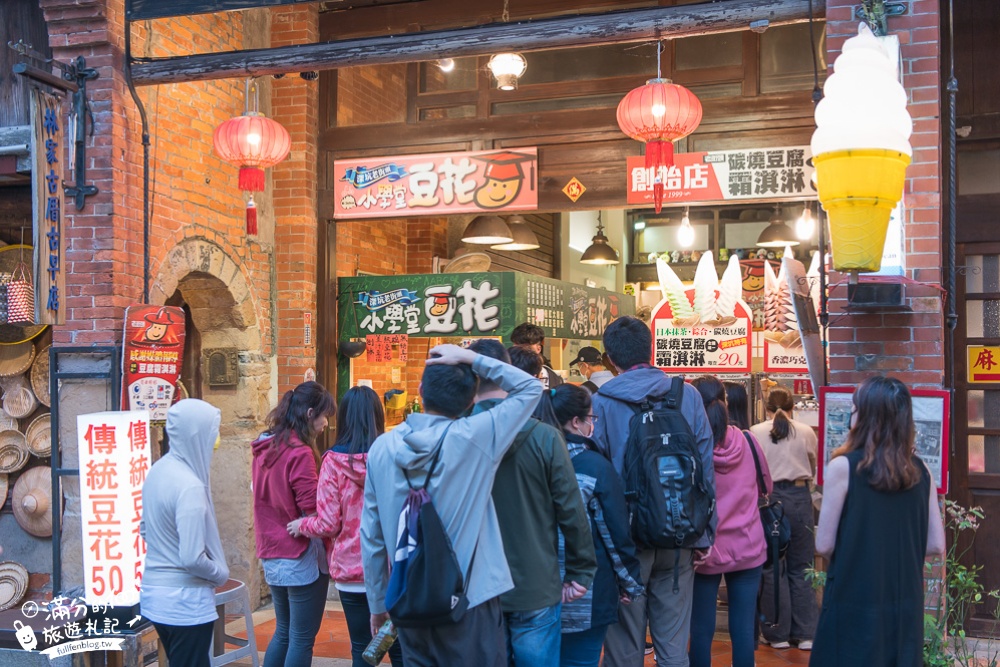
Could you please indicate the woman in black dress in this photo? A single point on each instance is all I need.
(880, 518)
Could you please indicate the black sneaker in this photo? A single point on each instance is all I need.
(649, 648)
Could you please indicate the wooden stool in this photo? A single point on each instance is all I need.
(235, 592)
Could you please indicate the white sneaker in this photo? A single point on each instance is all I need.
(778, 645)
(806, 645)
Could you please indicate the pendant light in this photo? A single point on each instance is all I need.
(777, 234)
(685, 233)
(600, 251)
(507, 68)
(487, 230)
(522, 236)
(805, 225)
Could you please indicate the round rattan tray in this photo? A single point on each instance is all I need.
(13, 451)
(39, 435)
(40, 377)
(19, 402)
(13, 584)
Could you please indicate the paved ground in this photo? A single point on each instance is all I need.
(333, 647)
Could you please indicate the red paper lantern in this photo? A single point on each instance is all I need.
(253, 143)
(659, 113)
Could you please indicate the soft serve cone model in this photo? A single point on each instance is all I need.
(861, 150)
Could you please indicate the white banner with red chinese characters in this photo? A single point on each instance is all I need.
(114, 459)
(752, 173)
(437, 184)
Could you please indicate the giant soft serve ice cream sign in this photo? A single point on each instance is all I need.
(861, 149)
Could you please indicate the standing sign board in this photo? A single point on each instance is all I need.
(114, 456)
(734, 175)
(47, 206)
(151, 362)
(436, 184)
(684, 346)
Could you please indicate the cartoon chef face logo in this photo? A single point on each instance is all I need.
(753, 276)
(504, 179)
(439, 305)
(159, 323)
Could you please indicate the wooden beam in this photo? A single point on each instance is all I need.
(551, 33)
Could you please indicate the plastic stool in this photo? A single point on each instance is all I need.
(235, 592)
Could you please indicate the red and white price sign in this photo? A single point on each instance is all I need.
(114, 459)
(687, 345)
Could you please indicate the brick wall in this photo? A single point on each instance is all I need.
(908, 346)
(371, 94)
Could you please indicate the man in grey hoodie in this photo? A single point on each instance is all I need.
(471, 451)
(629, 344)
(184, 557)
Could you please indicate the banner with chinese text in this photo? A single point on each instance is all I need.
(151, 361)
(681, 346)
(47, 153)
(436, 184)
(984, 363)
(754, 173)
(114, 457)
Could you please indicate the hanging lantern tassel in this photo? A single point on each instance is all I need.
(251, 217)
(659, 158)
(251, 179)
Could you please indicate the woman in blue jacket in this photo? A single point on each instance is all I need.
(585, 620)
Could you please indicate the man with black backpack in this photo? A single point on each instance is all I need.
(429, 482)
(655, 430)
(536, 496)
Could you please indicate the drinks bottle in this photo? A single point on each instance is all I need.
(380, 644)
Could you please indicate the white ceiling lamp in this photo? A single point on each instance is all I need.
(522, 236)
(805, 225)
(446, 64)
(507, 68)
(685, 233)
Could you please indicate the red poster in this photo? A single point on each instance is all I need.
(151, 362)
(687, 345)
(437, 184)
(754, 173)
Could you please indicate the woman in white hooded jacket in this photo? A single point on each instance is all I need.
(184, 557)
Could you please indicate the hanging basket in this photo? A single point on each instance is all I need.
(21, 296)
(39, 436)
(13, 584)
(40, 377)
(13, 451)
(16, 359)
(19, 402)
(32, 501)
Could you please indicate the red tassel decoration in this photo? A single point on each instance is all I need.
(251, 179)
(251, 217)
(659, 158)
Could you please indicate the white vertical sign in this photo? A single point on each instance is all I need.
(114, 459)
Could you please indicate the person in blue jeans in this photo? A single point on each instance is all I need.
(585, 621)
(740, 550)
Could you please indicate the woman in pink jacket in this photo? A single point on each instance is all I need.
(739, 549)
(340, 499)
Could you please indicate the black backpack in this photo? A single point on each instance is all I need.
(426, 586)
(670, 505)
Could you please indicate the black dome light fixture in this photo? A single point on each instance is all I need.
(777, 234)
(522, 236)
(487, 230)
(600, 251)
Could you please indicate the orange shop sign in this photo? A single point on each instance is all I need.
(436, 184)
(114, 459)
(984, 363)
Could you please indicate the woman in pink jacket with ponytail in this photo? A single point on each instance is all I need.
(340, 498)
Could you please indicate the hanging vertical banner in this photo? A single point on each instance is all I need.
(151, 362)
(47, 151)
(114, 459)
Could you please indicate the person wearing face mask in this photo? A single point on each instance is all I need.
(184, 557)
(617, 581)
(590, 363)
(285, 464)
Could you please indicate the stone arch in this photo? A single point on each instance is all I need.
(201, 276)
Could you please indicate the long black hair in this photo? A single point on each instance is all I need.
(739, 405)
(884, 430)
(292, 415)
(713, 395)
(779, 402)
(360, 419)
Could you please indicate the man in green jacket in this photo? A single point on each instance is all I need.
(536, 496)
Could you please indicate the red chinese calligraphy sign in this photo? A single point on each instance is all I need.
(379, 346)
(114, 453)
(151, 363)
(436, 184)
(755, 173)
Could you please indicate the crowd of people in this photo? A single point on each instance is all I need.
(533, 482)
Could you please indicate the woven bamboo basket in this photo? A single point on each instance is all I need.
(40, 377)
(32, 501)
(19, 402)
(3, 489)
(39, 435)
(7, 423)
(13, 584)
(13, 451)
(16, 359)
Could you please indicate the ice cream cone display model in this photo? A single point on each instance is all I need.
(780, 323)
(861, 150)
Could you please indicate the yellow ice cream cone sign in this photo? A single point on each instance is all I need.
(859, 190)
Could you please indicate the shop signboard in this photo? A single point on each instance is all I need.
(685, 345)
(731, 175)
(114, 457)
(931, 412)
(984, 363)
(151, 361)
(436, 184)
(474, 305)
(47, 153)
